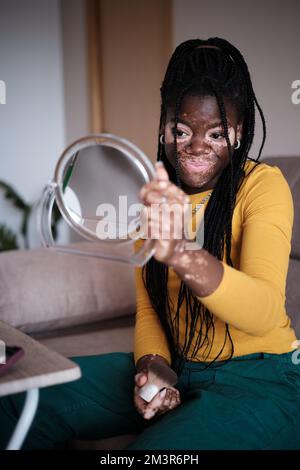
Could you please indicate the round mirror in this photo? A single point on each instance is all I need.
(96, 184)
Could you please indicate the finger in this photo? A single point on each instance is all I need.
(163, 189)
(169, 232)
(162, 221)
(166, 402)
(162, 182)
(155, 404)
(164, 198)
(174, 392)
(140, 379)
(173, 190)
(169, 403)
(161, 172)
(154, 185)
(153, 197)
(173, 401)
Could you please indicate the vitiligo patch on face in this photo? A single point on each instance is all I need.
(223, 142)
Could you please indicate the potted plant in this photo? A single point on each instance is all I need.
(8, 238)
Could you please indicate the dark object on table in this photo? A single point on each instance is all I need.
(13, 354)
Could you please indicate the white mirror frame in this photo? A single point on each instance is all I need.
(53, 192)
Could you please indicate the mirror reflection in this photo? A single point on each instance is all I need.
(100, 192)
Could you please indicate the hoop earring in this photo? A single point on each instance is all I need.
(161, 139)
(238, 142)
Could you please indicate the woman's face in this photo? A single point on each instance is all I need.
(201, 144)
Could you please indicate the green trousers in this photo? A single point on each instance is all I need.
(250, 402)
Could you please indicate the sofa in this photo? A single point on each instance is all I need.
(84, 306)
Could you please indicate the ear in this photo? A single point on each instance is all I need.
(239, 131)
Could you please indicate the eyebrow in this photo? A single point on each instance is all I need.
(213, 124)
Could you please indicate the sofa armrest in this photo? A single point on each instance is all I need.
(293, 294)
(42, 290)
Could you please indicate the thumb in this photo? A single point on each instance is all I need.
(161, 172)
(140, 379)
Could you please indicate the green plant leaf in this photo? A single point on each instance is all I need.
(56, 216)
(11, 194)
(8, 240)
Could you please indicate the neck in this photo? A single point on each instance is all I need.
(200, 189)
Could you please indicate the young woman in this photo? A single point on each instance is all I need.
(216, 315)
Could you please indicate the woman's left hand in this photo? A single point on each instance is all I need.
(164, 215)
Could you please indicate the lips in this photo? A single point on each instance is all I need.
(190, 164)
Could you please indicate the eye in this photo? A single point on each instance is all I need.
(217, 135)
(180, 133)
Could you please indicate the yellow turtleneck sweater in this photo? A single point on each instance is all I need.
(251, 295)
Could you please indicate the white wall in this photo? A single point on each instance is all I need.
(46, 96)
(32, 127)
(75, 69)
(267, 34)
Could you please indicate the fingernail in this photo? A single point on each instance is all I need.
(163, 393)
(159, 164)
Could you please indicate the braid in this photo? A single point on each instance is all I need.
(216, 72)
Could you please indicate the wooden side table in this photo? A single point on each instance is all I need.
(38, 368)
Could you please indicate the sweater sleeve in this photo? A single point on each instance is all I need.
(252, 297)
(149, 336)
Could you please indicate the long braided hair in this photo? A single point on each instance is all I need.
(220, 71)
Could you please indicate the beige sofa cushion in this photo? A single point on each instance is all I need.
(42, 290)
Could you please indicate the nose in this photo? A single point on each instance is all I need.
(197, 146)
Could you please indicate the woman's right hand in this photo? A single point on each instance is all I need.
(166, 400)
